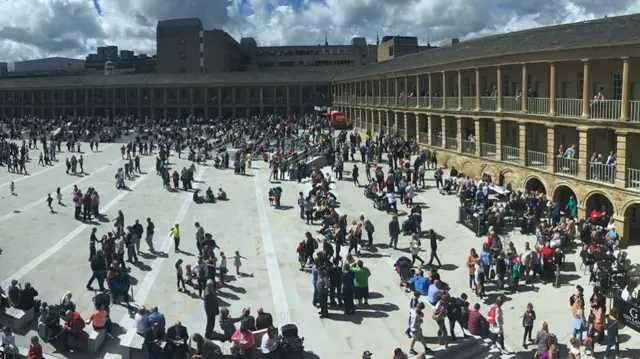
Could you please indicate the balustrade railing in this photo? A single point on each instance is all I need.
(605, 109)
(569, 107)
(436, 141)
(451, 102)
(437, 102)
(634, 111)
(469, 103)
(566, 166)
(412, 101)
(488, 150)
(469, 147)
(602, 172)
(537, 159)
(510, 154)
(423, 101)
(633, 178)
(538, 105)
(423, 137)
(511, 104)
(451, 143)
(489, 103)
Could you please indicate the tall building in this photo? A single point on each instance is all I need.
(180, 46)
(393, 47)
(4, 69)
(49, 64)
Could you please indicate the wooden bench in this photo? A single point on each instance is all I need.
(18, 318)
(130, 344)
(95, 338)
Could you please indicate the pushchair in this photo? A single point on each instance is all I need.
(409, 225)
(292, 343)
(403, 268)
(380, 203)
(446, 187)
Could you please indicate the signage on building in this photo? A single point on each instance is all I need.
(629, 313)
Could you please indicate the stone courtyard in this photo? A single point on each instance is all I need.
(51, 251)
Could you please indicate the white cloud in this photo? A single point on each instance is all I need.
(40, 28)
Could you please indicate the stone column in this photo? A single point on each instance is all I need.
(525, 90)
(405, 119)
(430, 90)
(621, 168)
(443, 121)
(624, 110)
(459, 129)
(583, 153)
(522, 128)
(380, 121)
(477, 132)
(417, 118)
(444, 89)
(429, 127)
(551, 147)
(459, 91)
(395, 122)
(552, 89)
(478, 90)
(586, 90)
(498, 138)
(379, 92)
(417, 95)
(499, 81)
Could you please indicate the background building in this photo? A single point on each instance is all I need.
(49, 64)
(393, 47)
(4, 69)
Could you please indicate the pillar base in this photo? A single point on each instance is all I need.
(620, 183)
(552, 113)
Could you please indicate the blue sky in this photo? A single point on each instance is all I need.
(96, 5)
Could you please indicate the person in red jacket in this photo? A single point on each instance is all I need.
(35, 349)
(73, 328)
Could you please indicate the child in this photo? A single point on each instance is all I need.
(271, 197)
(528, 318)
(412, 304)
(301, 257)
(59, 195)
(190, 275)
(49, 201)
(515, 275)
(223, 267)
(35, 349)
(236, 262)
(592, 334)
(180, 276)
(13, 188)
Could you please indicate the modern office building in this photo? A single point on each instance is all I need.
(510, 106)
(48, 64)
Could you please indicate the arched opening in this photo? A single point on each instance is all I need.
(562, 195)
(533, 184)
(600, 202)
(632, 224)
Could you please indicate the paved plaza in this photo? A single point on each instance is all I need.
(51, 251)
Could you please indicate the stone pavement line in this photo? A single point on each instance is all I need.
(148, 281)
(273, 269)
(64, 241)
(62, 163)
(42, 201)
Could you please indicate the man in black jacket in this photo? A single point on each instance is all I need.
(211, 308)
(177, 337)
(99, 270)
(28, 298)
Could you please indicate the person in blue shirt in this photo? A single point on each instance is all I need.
(156, 317)
(486, 258)
(434, 293)
(420, 284)
(348, 289)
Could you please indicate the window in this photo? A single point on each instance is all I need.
(183, 70)
(529, 81)
(466, 85)
(182, 55)
(580, 84)
(201, 39)
(201, 55)
(391, 50)
(182, 41)
(616, 88)
(505, 85)
(484, 83)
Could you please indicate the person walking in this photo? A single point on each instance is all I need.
(433, 240)
(415, 323)
(496, 324)
(415, 250)
(394, 232)
(175, 233)
(151, 228)
(528, 318)
(369, 228)
(348, 289)
(211, 308)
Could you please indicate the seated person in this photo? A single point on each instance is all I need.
(35, 349)
(100, 319)
(14, 293)
(205, 348)
(27, 298)
(208, 195)
(197, 198)
(434, 293)
(66, 304)
(243, 340)
(269, 346)
(8, 341)
(222, 195)
(264, 320)
(420, 283)
(73, 328)
(154, 342)
(177, 337)
(156, 317)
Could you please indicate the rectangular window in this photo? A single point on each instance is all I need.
(183, 70)
(391, 50)
(505, 85)
(580, 84)
(201, 55)
(466, 85)
(201, 39)
(616, 86)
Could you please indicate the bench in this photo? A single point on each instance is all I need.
(45, 333)
(18, 318)
(257, 337)
(130, 344)
(95, 337)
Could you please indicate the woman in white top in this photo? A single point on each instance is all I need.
(415, 249)
(269, 344)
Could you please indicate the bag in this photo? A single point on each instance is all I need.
(438, 314)
(491, 316)
(492, 274)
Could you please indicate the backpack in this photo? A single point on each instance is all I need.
(491, 316)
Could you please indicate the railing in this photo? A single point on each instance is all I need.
(469, 147)
(510, 154)
(436, 141)
(511, 104)
(393, 101)
(602, 172)
(412, 101)
(385, 101)
(423, 101)
(537, 159)
(451, 102)
(567, 166)
(468, 103)
(605, 109)
(633, 178)
(538, 105)
(451, 143)
(569, 107)
(488, 150)
(376, 101)
(489, 103)
(423, 137)
(634, 111)
(437, 102)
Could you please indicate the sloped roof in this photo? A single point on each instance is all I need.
(199, 79)
(192, 21)
(608, 31)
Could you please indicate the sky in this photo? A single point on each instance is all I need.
(32, 29)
